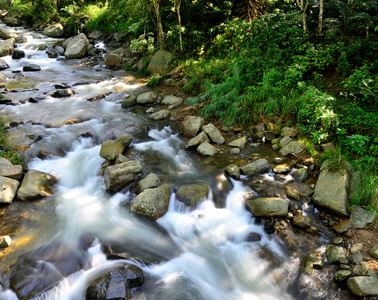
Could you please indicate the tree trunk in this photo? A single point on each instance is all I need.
(303, 9)
(178, 6)
(320, 25)
(159, 25)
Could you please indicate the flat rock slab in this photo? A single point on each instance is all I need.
(294, 148)
(152, 203)
(268, 207)
(207, 149)
(259, 166)
(190, 194)
(146, 98)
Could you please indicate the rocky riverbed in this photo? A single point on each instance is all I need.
(302, 203)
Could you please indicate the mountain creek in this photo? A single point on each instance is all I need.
(88, 238)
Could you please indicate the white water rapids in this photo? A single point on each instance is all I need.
(197, 254)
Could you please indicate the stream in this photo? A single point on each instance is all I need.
(189, 253)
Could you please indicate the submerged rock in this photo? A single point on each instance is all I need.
(310, 263)
(191, 194)
(152, 203)
(36, 185)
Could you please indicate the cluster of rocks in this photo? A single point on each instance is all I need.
(15, 185)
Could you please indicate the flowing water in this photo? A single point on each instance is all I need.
(189, 253)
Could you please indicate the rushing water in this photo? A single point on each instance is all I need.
(199, 253)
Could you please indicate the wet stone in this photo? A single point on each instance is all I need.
(342, 275)
(31, 68)
(17, 54)
(282, 168)
(302, 221)
(334, 253)
(233, 171)
(311, 263)
(293, 193)
(278, 160)
(5, 241)
(253, 237)
(342, 226)
(191, 194)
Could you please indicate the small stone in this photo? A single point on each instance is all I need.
(334, 253)
(361, 269)
(356, 248)
(282, 168)
(300, 174)
(337, 240)
(5, 241)
(293, 193)
(342, 226)
(278, 160)
(288, 131)
(31, 68)
(235, 151)
(207, 149)
(302, 221)
(342, 275)
(355, 258)
(233, 171)
(374, 251)
(344, 267)
(343, 261)
(151, 110)
(160, 115)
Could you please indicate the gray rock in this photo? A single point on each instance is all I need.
(11, 171)
(160, 63)
(120, 159)
(76, 47)
(36, 185)
(125, 141)
(374, 251)
(60, 50)
(300, 174)
(207, 149)
(328, 147)
(293, 193)
(110, 149)
(278, 160)
(6, 34)
(363, 285)
(342, 275)
(268, 207)
(147, 98)
(234, 151)
(282, 168)
(31, 68)
(62, 93)
(119, 176)
(17, 54)
(260, 130)
(337, 240)
(213, 133)
(302, 221)
(259, 166)
(331, 191)
(335, 253)
(197, 140)
(360, 218)
(152, 203)
(355, 258)
(361, 268)
(284, 141)
(160, 115)
(192, 125)
(7, 47)
(129, 101)
(96, 35)
(356, 248)
(151, 110)
(172, 101)
(191, 194)
(233, 171)
(8, 188)
(5, 241)
(112, 60)
(55, 30)
(294, 148)
(148, 182)
(13, 22)
(239, 142)
(20, 39)
(289, 131)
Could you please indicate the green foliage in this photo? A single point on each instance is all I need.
(6, 151)
(334, 160)
(144, 42)
(357, 143)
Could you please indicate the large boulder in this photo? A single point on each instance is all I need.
(160, 62)
(6, 34)
(259, 166)
(197, 140)
(8, 189)
(110, 149)
(7, 47)
(331, 191)
(192, 125)
(190, 194)
(76, 47)
(294, 148)
(213, 133)
(115, 284)
(36, 185)
(363, 286)
(268, 207)
(148, 182)
(120, 175)
(55, 30)
(112, 60)
(147, 98)
(152, 203)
